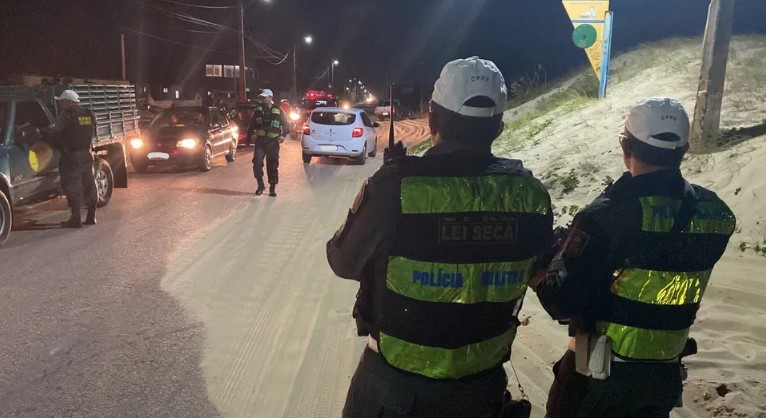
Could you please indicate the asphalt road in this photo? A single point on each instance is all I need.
(191, 297)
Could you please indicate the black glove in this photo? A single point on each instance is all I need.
(399, 150)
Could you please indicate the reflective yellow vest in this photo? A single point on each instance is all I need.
(458, 271)
(271, 127)
(653, 307)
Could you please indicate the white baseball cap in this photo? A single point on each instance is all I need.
(69, 95)
(464, 79)
(660, 122)
(267, 93)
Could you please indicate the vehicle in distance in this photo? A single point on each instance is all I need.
(185, 136)
(399, 111)
(300, 114)
(336, 132)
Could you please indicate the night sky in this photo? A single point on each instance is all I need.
(375, 40)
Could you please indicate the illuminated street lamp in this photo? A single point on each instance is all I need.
(308, 40)
(333, 64)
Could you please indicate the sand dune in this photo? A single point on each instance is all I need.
(576, 144)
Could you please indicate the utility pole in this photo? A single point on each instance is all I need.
(295, 75)
(715, 55)
(242, 78)
(122, 55)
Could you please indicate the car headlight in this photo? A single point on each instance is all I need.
(136, 143)
(294, 116)
(187, 143)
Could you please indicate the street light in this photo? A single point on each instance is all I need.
(308, 40)
(333, 64)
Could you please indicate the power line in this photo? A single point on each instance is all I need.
(188, 18)
(208, 32)
(199, 5)
(266, 49)
(174, 42)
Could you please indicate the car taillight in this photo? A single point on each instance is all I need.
(306, 130)
(357, 133)
(241, 136)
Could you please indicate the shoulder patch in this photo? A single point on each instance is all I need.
(359, 199)
(576, 243)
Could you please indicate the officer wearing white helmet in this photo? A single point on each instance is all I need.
(443, 246)
(72, 135)
(270, 125)
(631, 275)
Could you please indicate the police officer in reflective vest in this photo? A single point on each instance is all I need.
(269, 124)
(72, 135)
(443, 247)
(631, 275)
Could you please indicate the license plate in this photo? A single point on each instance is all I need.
(328, 148)
(159, 156)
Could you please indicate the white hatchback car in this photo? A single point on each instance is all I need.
(336, 132)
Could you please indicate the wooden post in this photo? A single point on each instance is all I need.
(715, 54)
(122, 56)
(242, 94)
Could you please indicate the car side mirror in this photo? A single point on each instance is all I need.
(376, 125)
(27, 135)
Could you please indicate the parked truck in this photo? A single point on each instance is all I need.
(28, 162)
(407, 103)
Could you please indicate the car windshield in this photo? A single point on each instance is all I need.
(180, 118)
(4, 109)
(333, 118)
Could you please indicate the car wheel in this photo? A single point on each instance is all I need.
(6, 218)
(374, 151)
(140, 166)
(104, 181)
(207, 159)
(307, 158)
(232, 155)
(362, 158)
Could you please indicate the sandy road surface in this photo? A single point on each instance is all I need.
(280, 337)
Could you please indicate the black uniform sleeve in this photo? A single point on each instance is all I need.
(579, 273)
(370, 225)
(54, 134)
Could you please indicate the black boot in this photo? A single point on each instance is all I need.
(90, 218)
(273, 190)
(260, 189)
(74, 221)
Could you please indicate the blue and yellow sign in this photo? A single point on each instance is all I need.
(588, 20)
